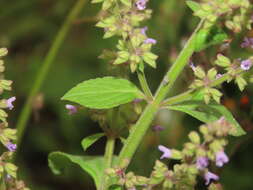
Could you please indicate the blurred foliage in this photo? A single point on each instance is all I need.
(28, 29)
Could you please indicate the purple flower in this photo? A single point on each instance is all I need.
(143, 30)
(246, 64)
(150, 41)
(9, 102)
(248, 42)
(218, 76)
(210, 176)
(158, 128)
(11, 147)
(202, 162)
(72, 109)
(141, 4)
(166, 152)
(221, 158)
(193, 67)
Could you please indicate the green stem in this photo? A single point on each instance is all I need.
(108, 157)
(2, 184)
(58, 41)
(188, 94)
(148, 115)
(144, 85)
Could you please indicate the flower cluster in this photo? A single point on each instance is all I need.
(7, 135)
(71, 108)
(236, 12)
(123, 18)
(205, 80)
(197, 155)
(248, 42)
(234, 71)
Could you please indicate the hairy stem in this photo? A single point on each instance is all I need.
(148, 115)
(58, 41)
(144, 85)
(108, 157)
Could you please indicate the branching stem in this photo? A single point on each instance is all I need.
(142, 125)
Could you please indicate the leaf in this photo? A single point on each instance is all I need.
(126, 2)
(93, 165)
(194, 6)
(207, 112)
(115, 187)
(103, 93)
(88, 141)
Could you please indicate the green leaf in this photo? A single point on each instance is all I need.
(150, 58)
(207, 112)
(241, 82)
(107, 4)
(126, 2)
(115, 187)
(222, 60)
(103, 93)
(194, 6)
(123, 57)
(88, 141)
(93, 165)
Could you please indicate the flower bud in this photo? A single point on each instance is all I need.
(3, 52)
(203, 129)
(194, 137)
(177, 155)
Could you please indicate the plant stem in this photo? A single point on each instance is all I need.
(144, 85)
(148, 115)
(108, 157)
(58, 41)
(188, 94)
(2, 184)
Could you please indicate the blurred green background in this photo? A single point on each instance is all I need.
(28, 29)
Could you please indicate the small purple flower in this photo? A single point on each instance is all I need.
(218, 76)
(210, 176)
(9, 102)
(246, 64)
(141, 4)
(143, 30)
(221, 158)
(248, 42)
(11, 147)
(72, 109)
(157, 128)
(150, 41)
(202, 162)
(193, 67)
(166, 152)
